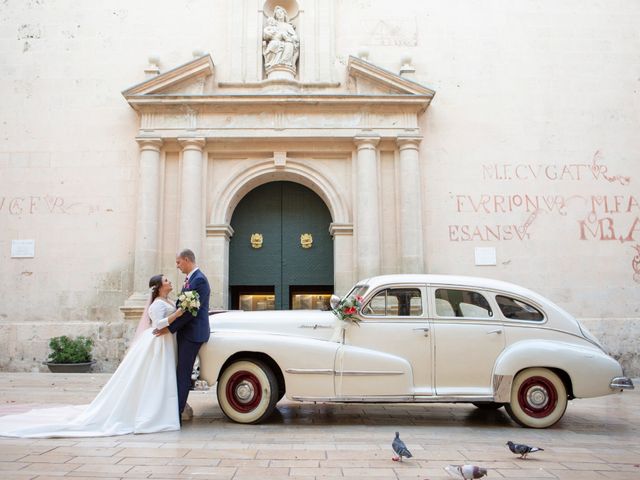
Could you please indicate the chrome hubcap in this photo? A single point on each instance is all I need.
(244, 392)
(537, 396)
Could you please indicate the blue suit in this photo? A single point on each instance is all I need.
(191, 332)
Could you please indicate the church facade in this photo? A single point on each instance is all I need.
(299, 146)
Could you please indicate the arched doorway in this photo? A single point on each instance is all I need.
(280, 273)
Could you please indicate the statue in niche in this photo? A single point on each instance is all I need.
(280, 45)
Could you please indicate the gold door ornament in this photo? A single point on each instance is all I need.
(306, 240)
(256, 240)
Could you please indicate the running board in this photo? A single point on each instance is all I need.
(400, 399)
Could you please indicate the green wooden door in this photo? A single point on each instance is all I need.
(281, 212)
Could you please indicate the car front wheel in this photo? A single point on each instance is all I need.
(538, 398)
(247, 391)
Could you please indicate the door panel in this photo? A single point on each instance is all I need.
(281, 212)
(388, 354)
(468, 338)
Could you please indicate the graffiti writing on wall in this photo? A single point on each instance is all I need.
(598, 217)
(48, 204)
(635, 264)
(553, 172)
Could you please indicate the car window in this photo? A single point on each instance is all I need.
(517, 309)
(395, 302)
(462, 303)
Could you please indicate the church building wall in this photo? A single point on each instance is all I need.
(529, 147)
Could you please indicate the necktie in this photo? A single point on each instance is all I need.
(186, 283)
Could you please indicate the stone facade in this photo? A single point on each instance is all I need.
(528, 150)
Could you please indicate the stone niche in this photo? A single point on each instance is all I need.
(280, 40)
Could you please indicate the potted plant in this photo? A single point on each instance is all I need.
(70, 355)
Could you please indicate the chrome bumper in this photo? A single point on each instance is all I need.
(623, 383)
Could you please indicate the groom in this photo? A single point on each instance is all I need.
(191, 331)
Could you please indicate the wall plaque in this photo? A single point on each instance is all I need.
(23, 248)
(485, 256)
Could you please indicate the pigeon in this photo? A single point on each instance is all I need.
(468, 472)
(400, 449)
(522, 449)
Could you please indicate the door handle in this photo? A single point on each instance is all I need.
(422, 329)
(497, 331)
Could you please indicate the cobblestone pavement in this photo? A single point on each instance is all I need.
(597, 439)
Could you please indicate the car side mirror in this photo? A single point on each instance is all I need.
(334, 301)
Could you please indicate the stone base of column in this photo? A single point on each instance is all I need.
(134, 306)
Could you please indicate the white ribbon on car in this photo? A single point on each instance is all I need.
(339, 332)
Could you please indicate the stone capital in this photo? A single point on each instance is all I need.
(192, 143)
(366, 141)
(149, 143)
(408, 142)
(340, 229)
(221, 230)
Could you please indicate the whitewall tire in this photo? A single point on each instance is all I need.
(247, 391)
(538, 398)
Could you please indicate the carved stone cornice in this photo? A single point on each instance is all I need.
(411, 102)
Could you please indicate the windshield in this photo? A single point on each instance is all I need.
(357, 290)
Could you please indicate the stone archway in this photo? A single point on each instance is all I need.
(293, 171)
(219, 230)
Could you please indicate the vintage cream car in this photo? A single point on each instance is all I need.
(421, 338)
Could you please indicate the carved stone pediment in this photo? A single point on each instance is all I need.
(373, 79)
(180, 80)
(187, 101)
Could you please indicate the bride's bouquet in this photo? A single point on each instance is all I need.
(189, 302)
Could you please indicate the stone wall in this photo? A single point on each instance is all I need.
(530, 147)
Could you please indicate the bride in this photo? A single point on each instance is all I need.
(140, 397)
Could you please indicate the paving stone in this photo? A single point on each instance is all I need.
(330, 442)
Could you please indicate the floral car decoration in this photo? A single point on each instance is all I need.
(347, 308)
(420, 339)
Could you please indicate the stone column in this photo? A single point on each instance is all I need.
(216, 264)
(410, 206)
(147, 225)
(343, 278)
(367, 206)
(191, 228)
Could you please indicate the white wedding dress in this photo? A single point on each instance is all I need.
(140, 397)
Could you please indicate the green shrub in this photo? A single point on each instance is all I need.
(70, 350)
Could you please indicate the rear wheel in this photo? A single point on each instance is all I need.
(247, 391)
(538, 398)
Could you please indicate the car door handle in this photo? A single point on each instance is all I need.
(314, 326)
(422, 329)
(497, 330)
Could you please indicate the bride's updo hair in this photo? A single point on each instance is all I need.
(154, 284)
